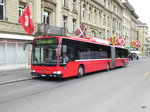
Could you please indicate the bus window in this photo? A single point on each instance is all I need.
(121, 53)
(81, 50)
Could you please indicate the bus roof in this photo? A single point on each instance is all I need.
(90, 40)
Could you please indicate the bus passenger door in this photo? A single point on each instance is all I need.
(69, 66)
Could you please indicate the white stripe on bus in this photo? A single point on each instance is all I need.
(94, 59)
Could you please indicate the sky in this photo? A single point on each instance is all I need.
(142, 9)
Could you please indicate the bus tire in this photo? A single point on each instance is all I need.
(123, 64)
(107, 67)
(80, 71)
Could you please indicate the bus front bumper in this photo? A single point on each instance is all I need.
(46, 75)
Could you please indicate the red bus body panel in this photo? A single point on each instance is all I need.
(71, 69)
(119, 61)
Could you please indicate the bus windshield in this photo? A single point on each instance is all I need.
(45, 52)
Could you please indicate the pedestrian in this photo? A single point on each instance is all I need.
(130, 56)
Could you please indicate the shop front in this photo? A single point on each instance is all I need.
(12, 55)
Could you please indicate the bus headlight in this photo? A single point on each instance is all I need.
(57, 72)
(33, 71)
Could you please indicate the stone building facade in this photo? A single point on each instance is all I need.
(147, 46)
(143, 38)
(102, 18)
(129, 23)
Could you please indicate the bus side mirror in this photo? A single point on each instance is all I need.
(25, 44)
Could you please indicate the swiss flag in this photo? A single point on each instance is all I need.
(26, 21)
(137, 44)
(119, 40)
(80, 32)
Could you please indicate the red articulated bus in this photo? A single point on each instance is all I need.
(63, 57)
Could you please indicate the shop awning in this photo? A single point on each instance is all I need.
(137, 52)
(14, 36)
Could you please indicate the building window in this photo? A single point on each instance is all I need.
(108, 21)
(114, 9)
(100, 19)
(119, 27)
(65, 3)
(74, 24)
(74, 4)
(95, 16)
(108, 6)
(90, 12)
(104, 2)
(100, 35)
(114, 23)
(2, 9)
(65, 21)
(104, 20)
(83, 11)
(93, 34)
(21, 8)
(108, 35)
(46, 17)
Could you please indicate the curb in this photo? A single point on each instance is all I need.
(13, 81)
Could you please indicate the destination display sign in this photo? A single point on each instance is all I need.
(46, 41)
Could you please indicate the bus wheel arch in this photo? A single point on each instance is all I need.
(81, 71)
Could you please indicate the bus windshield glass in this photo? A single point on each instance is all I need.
(45, 52)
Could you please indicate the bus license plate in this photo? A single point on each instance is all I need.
(43, 75)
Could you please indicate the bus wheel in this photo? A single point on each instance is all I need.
(123, 64)
(107, 67)
(80, 72)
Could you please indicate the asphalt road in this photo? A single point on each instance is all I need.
(119, 90)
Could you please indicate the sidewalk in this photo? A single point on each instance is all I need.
(14, 76)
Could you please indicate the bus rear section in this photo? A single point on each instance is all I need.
(119, 56)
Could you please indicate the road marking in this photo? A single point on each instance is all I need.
(146, 74)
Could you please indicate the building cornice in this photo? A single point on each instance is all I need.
(131, 9)
(128, 6)
(135, 15)
(119, 3)
(140, 24)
